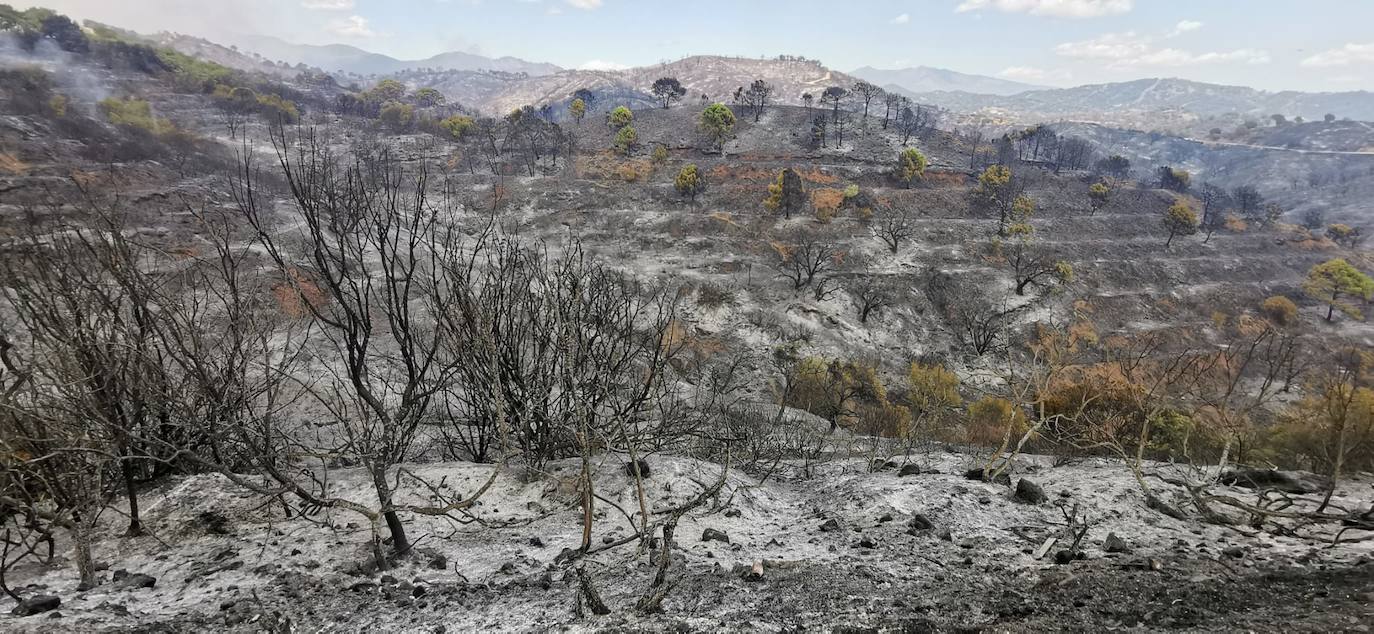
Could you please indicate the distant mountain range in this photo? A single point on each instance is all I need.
(922, 79)
(1147, 95)
(462, 77)
(350, 59)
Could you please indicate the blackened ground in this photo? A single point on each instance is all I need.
(1193, 595)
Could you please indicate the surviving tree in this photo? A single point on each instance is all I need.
(1180, 220)
(668, 90)
(786, 194)
(1335, 280)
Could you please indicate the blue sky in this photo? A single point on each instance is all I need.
(1271, 44)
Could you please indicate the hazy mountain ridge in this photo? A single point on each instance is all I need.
(921, 79)
(1163, 94)
(350, 59)
(715, 77)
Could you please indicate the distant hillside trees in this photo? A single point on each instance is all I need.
(911, 166)
(1116, 166)
(786, 195)
(1174, 179)
(1029, 265)
(892, 102)
(689, 182)
(894, 227)
(917, 121)
(834, 96)
(1099, 196)
(1180, 220)
(757, 97)
(578, 110)
(619, 118)
(999, 193)
(717, 122)
(668, 91)
(1344, 235)
(429, 98)
(1215, 201)
(866, 93)
(1334, 281)
(626, 139)
(805, 258)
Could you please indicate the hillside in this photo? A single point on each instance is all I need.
(279, 355)
(706, 77)
(356, 61)
(923, 79)
(1142, 96)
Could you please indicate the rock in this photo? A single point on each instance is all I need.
(979, 474)
(830, 525)
(227, 605)
(508, 568)
(1114, 544)
(140, 580)
(1065, 557)
(868, 542)
(1286, 481)
(1234, 552)
(362, 586)
(389, 580)
(887, 517)
(641, 465)
(713, 535)
(909, 470)
(418, 592)
(214, 523)
(439, 562)
(945, 535)
(536, 542)
(919, 523)
(36, 605)
(732, 512)
(120, 575)
(1028, 492)
(752, 573)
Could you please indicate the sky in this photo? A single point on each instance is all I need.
(1314, 45)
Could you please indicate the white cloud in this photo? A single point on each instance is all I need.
(1184, 27)
(1033, 74)
(585, 5)
(1054, 8)
(328, 5)
(601, 64)
(901, 19)
(1343, 56)
(352, 26)
(1128, 49)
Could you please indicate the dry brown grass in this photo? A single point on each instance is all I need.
(11, 164)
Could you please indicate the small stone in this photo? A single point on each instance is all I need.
(713, 535)
(439, 562)
(909, 470)
(887, 517)
(830, 525)
(1028, 492)
(1114, 544)
(140, 581)
(536, 542)
(36, 605)
(945, 535)
(919, 523)
(1234, 552)
(867, 542)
